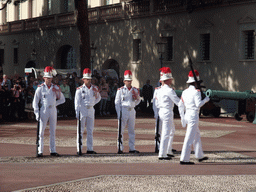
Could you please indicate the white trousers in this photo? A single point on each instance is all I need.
(128, 119)
(168, 130)
(87, 121)
(50, 115)
(192, 137)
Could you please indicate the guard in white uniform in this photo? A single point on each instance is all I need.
(49, 96)
(127, 97)
(156, 116)
(167, 97)
(190, 103)
(86, 97)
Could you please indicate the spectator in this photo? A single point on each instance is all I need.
(6, 103)
(1, 101)
(147, 94)
(16, 107)
(112, 94)
(35, 85)
(104, 90)
(29, 92)
(66, 108)
(6, 81)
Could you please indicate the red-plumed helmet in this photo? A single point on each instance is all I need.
(165, 73)
(127, 75)
(191, 78)
(87, 74)
(49, 72)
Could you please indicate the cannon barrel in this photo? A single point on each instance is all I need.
(214, 94)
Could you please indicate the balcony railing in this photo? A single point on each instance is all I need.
(114, 12)
(39, 22)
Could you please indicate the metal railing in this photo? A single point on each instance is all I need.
(114, 12)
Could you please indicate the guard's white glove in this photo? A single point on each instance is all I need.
(183, 122)
(37, 116)
(206, 99)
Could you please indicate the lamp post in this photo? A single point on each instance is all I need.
(160, 47)
(93, 50)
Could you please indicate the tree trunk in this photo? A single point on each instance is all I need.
(83, 28)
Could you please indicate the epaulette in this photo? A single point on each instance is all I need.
(79, 87)
(198, 90)
(157, 87)
(120, 88)
(40, 85)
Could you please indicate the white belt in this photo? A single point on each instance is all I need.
(128, 108)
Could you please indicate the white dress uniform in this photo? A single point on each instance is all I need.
(85, 99)
(156, 111)
(124, 101)
(191, 103)
(167, 97)
(48, 112)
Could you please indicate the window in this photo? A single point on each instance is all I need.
(249, 41)
(17, 11)
(136, 50)
(205, 46)
(49, 7)
(15, 56)
(66, 5)
(106, 2)
(169, 49)
(1, 57)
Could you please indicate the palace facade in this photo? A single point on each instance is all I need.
(219, 35)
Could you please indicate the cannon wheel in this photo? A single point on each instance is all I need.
(250, 116)
(205, 112)
(237, 117)
(216, 112)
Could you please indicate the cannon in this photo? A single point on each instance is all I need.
(208, 109)
(246, 102)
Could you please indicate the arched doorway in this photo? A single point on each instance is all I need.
(111, 64)
(66, 58)
(31, 64)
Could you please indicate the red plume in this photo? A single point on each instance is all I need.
(165, 70)
(86, 70)
(191, 73)
(127, 72)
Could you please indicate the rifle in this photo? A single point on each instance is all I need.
(157, 136)
(38, 130)
(198, 83)
(119, 132)
(79, 136)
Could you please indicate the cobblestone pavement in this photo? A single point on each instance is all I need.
(229, 144)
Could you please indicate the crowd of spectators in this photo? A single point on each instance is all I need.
(16, 94)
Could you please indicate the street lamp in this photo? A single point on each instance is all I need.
(161, 46)
(93, 50)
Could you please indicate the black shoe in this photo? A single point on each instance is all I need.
(39, 155)
(120, 152)
(91, 152)
(79, 153)
(54, 154)
(186, 163)
(164, 158)
(134, 151)
(170, 155)
(203, 159)
(174, 150)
